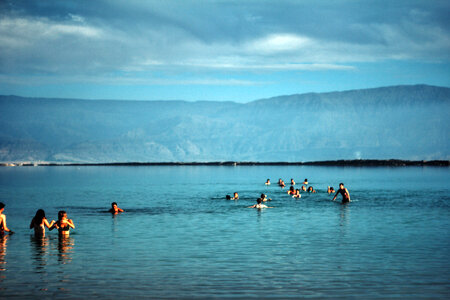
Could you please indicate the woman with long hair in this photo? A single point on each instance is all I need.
(39, 222)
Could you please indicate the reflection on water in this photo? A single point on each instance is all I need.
(40, 246)
(65, 248)
(344, 212)
(3, 242)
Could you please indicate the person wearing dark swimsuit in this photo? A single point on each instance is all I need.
(63, 224)
(344, 192)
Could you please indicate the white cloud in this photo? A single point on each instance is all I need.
(76, 18)
(172, 42)
(19, 32)
(278, 43)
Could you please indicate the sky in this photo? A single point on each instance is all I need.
(219, 50)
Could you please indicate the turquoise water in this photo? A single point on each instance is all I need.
(180, 238)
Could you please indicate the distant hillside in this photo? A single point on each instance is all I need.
(403, 122)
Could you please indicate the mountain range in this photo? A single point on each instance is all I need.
(401, 122)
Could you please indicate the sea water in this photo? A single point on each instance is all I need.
(180, 238)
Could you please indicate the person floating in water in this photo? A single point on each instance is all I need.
(292, 181)
(264, 198)
(291, 190)
(259, 204)
(311, 190)
(331, 190)
(267, 182)
(39, 222)
(344, 192)
(115, 209)
(3, 226)
(235, 197)
(303, 188)
(63, 224)
(297, 194)
(305, 181)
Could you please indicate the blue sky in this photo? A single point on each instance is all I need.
(219, 50)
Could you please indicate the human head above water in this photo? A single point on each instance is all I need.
(40, 214)
(113, 204)
(2, 205)
(259, 200)
(341, 184)
(61, 214)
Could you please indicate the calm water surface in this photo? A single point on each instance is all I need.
(180, 238)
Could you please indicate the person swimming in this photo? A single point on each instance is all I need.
(297, 194)
(115, 209)
(63, 224)
(264, 198)
(305, 181)
(259, 204)
(311, 190)
(344, 192)
(3, 226)
(291, 190)
(267, 182)
(235, 197)
(330, 190)
(303, 188)
(292, 181)
(39, 222)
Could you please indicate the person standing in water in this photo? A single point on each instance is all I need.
(115, 209)
(3, 226)
(39, 222)
(63, 224)
(344, 192)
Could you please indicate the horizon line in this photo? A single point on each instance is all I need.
(340, 162)
(233, 101)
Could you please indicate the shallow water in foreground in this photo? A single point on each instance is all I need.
(180, 238)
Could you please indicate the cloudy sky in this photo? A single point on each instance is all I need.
(219, 50)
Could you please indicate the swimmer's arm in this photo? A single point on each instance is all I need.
(335, 195)
(70, 222)
(5, 228)
(348, 194)
(55, 225)
(119, 210)
(253, 206)
(47, 224)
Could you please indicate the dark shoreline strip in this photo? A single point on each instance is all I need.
(344, 163)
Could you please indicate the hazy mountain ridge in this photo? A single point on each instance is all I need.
(404, 122)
